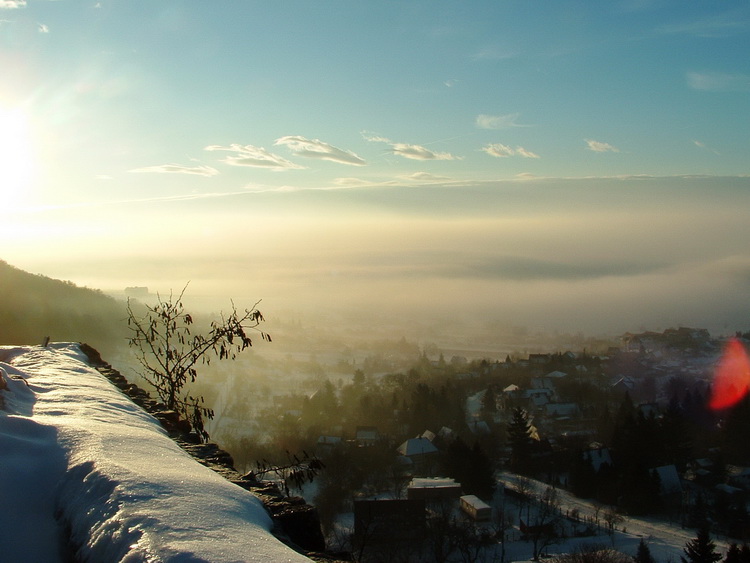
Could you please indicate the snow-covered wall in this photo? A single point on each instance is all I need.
(84, 467)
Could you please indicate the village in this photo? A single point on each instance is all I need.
(456, 456)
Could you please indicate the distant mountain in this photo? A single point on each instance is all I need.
(33, 307)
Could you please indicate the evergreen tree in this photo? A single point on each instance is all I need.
(519, 435)
(480, 480)
(702, 549)
(489, 403)
(643, 555)
(733, 554)
(582, 478)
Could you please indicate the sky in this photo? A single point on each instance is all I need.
(570, 165)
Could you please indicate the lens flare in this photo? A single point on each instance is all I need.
(732, 379)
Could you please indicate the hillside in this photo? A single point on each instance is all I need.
(33, 307)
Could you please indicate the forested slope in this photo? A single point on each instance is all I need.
(33, 307)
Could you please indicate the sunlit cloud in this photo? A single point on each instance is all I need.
(718, 81)
(256, 157)
(178, 169)
(598, 146)
(424, 177)
(506, 121)
(315, 148)
(499, 150)
(374, 138)
(350, 182)
(417, 178)
(418, 152)
(12, 4)
(410, 151)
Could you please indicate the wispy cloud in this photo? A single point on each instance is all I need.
(418, 152)
(506, 121)
(12, 4)
(722, 25)
(412, 152)
(702, 145)
(315, 148)
(178, 169)
(424, 177)
(718, 81)
(256, 157)
(499, 150)
(598, 146)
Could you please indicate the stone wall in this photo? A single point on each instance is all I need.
(296, 523)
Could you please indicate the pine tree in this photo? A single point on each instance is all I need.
(733, 554)
(489, 404)
(519, 435)
(643, 555)
(702, 549)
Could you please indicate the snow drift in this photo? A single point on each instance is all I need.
(83, 469)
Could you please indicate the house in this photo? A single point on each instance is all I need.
(367, 435)
(539, 359)
(543, 383)
(327, 443)
(429, 435)
(421, 452)
(434, 489)
(739, 477)
(537, 397)
(561, 410)
(476, 507)
(669, 479)
(598, 456)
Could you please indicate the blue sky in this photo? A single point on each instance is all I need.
(547, 152)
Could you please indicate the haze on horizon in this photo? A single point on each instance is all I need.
(581, 168)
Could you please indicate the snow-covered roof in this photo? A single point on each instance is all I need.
(669, 479)
(78, 454)
(416, 446)
(433, 482)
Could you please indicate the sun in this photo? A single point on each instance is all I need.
(16, 156)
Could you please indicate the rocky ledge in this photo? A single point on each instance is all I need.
(296, 523)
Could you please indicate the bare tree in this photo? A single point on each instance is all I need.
(593, 554)
(170, 354)
(543, 530)
(612, 519)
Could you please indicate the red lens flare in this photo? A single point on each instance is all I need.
(732, 379)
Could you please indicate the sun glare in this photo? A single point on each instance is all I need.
(732, 380)
(16, 156)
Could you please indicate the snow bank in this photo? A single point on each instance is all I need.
(80, 461)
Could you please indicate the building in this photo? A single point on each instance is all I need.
(476, 507)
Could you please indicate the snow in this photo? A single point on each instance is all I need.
(666, 540)
(80, 461)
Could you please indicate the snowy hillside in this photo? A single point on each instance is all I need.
(83, 466)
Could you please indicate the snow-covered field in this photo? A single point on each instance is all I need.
(665, 540)
(80, 461)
